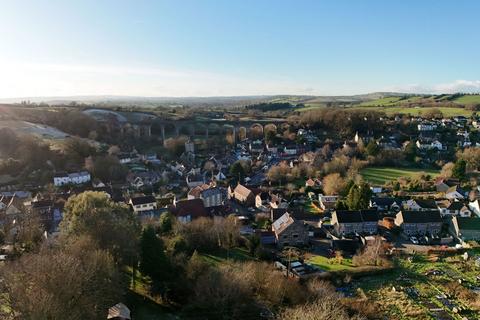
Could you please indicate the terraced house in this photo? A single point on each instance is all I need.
(290, 231)
(466, 228)
(346, 222)
(210, 195)
(419, 222)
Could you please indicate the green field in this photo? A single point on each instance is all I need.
(468, 99)
(416, 111)
(392, 110)
(311, 106)
(381, 175)
(387, 101)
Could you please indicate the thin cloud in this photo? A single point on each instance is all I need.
(464, 86)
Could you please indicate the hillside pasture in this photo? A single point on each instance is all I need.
(312, 106)
(387, 101)
(418, 111)
(468, 99)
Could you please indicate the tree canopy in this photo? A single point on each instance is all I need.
(359, 196)
(75, 280)
(459, 169)
(111, 225)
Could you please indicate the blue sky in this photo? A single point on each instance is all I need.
(237, 47)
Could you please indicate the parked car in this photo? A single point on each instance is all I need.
(424, 240)
(414, 240)
(434, 272)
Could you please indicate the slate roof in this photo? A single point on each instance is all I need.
(277, 213)
(345, 216)
(210, 191)
(426, 203)
(468, 223)
(42, 204)
(61, 174)
(385, 201)
(456, 205)
(264, 195)
(444, 204)
(421, 216)
(143, 200)
(357, 216)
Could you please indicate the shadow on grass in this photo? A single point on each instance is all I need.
(143, 308)
(220, 256)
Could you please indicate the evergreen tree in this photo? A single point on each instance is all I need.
(238, 172)
(270, 136)
(358, 197)
(459, 169)
(341, 205)
(410, 151)
(352, 198)
(153, 261)
(350, 184)
(372, 148)
(253, 243)
(165, 222)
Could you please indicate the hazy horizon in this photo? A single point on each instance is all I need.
(95, 98)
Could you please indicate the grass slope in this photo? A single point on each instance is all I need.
(311, 106)
(221, 256)
(468, 99)
(387, 101)
(417, 111)
(381, 175)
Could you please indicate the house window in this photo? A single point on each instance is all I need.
(295, 235)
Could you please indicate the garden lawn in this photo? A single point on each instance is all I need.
(235, 254)
(142, 304)
(330, 264)
(145, 309)
(381, 175)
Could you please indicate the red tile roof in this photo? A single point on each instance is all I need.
(193, 208)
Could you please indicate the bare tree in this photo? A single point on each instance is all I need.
(373, 254)
(77, 281)
(333, 184)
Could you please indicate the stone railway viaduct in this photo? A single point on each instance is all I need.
(207, 127)
(148, 125)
